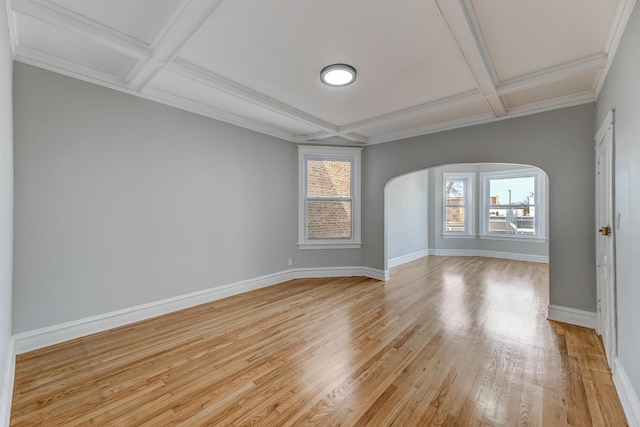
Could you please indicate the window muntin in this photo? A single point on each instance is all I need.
(329, 208)
(513, 205)
(458, 204)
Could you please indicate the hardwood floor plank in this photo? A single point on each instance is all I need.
(450, 341)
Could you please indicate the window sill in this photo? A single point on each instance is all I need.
(513, 238)
(458, 236)
(332, 245)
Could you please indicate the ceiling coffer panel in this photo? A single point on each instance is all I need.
(566, 87)
(422, 66)
(523, 37)
(402, 50)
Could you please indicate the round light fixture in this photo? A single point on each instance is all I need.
(338, 75)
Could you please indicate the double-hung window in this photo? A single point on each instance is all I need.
(513, 205)
(329, 206)
(458, 204)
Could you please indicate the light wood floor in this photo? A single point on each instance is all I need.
(447, 341)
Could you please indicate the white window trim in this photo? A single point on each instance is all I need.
(330, 153)
(469, 215)
(540, 205)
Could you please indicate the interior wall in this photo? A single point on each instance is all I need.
(120, 201)
(622, 93)
(407, 201)
(6, 209)
(559, 142)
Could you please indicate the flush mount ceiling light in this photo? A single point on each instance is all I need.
(338, 75)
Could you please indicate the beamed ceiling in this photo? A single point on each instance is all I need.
(423, 65)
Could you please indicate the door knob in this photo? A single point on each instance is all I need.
(605, 231)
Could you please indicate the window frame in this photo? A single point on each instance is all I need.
(350, 154)
(469, 204)
(540, 204)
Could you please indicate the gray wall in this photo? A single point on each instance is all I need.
(6, 198)
(559, 142)
(121, 201)
(407, 200)
(622, 92)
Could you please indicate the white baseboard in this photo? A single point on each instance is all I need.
(491, 254)
(50, 335)
(628, 396)
(6, 392)
(572, 316)
(394, 262)
(301, 273)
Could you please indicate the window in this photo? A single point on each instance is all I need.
(458, 204)
(513, 205)
(329, 208)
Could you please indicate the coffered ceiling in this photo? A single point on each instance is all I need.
(423, 65)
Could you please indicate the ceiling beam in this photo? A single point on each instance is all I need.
(186, 19)
(103, 35)
(460, 19)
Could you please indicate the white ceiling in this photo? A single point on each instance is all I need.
(423, 65)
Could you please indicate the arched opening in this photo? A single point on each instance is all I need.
(498, 210)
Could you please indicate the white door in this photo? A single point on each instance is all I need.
(605, 233)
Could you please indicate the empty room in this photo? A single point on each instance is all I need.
(283, 213)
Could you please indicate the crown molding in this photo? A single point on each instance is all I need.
(214, 113)
(619, 24)
(524, 110)
(11, 25)
(68, 68)
(189, 15)
(434, 128)
(98, 33)
(571, 100)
